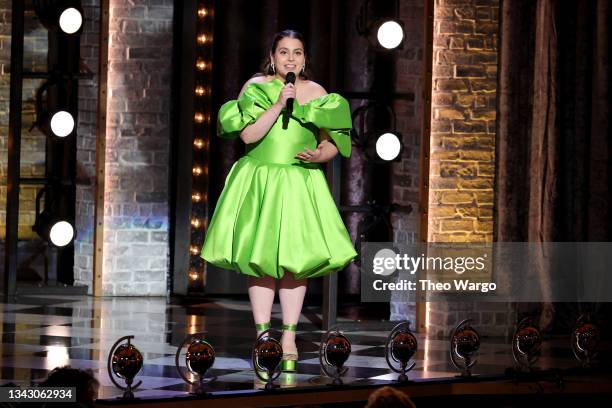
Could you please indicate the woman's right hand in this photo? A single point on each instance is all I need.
(287, 92)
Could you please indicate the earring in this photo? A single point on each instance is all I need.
(303, 66)
(272, 66)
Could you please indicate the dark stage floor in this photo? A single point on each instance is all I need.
(40, 333)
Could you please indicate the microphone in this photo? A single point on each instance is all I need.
(290, 79)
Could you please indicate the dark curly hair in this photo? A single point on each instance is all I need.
(83, 380)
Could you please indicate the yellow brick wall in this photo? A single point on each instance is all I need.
(464, 80)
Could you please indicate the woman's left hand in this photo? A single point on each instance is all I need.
(309, 155)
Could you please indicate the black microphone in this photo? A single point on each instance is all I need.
(290, 79)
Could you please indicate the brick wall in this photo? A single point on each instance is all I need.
(138, 131)
(409, 74)
(463, 121)
(86, 148)
(462, 163)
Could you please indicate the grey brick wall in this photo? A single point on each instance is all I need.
(138, 131)
(86, 148)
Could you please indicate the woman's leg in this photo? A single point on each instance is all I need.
(291, 294)
(261, 295)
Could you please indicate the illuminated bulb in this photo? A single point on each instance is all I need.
(388, 146)
(202, 12)
(61, 233)
(200, 90)
(390, 34)
(197, 170)
(199, 143)
(196, 223)
(194, 250)
(70, 20)
(196, 197)
(202, 38)
(199, 117)
(193, 275)
(62, 124)
(201, 65)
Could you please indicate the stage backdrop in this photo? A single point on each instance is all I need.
(341, 60)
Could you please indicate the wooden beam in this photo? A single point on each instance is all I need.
(14, 151)
(421, 307)
(98, 255)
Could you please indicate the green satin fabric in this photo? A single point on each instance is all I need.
(275, 213)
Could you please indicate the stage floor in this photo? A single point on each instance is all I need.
(40, 333)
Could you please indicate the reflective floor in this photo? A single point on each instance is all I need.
(40, 333)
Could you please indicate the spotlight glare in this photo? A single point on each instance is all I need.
(388, 146)
(390, 34)
(70, 20)
(62, 124)
(61, 233)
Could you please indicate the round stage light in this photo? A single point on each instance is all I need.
(71, 20)
(390, 34)
(62, 124)
(61, 233)
(388, 146)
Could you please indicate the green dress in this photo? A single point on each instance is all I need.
(275, 213)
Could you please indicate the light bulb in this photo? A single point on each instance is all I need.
(62, 124)
(201, 65)
(61, 233)
(390, 34)
(388, 146)
(71, 20)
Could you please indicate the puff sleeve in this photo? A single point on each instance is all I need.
(237, 114)
(331, 113)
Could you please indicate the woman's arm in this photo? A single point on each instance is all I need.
(255, 131)
(325, 151)
(327, 146)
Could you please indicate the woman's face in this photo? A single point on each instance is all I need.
(288, 57)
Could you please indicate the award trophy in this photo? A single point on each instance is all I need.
(199, 358)
(267, 355)
(585, 339)
(464, 345)
(526, 344)
(401, 346)
(334, 351)
(125, 361)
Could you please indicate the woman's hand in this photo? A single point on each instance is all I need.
(287, 92)
(308, 155)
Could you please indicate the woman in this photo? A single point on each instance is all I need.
(275, 219)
